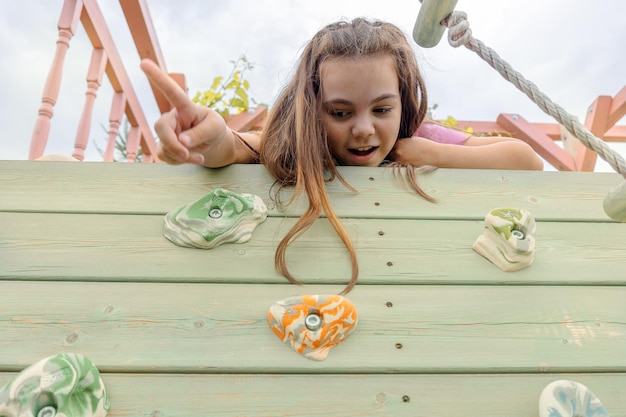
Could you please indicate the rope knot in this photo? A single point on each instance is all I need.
(459, 32)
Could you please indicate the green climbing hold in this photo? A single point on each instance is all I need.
(65, 385)
(221, 216)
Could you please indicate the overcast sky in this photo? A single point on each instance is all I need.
(574, 50)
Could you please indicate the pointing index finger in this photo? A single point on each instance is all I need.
(172, 91)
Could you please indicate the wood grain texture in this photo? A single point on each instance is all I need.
(131, 248)
(341, 395)
(213, 328)
(159, 188)
(442, 332)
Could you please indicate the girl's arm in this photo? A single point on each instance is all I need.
(476, 152)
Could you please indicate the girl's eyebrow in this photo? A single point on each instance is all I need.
(382, 97)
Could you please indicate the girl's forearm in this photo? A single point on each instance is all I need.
(509, 154)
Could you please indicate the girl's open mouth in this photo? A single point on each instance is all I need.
(363, 151)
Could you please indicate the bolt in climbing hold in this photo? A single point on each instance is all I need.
(215, 213)
(47, 411)
(313, 322)
(517, 234)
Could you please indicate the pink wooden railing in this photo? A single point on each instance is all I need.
(105, 59)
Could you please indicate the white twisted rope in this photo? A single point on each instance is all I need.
(460, 34)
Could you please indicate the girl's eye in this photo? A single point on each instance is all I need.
(382, 110)
(338, 113)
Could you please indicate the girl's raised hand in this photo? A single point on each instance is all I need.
(188, 130)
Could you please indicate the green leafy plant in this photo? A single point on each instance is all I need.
(229, 95)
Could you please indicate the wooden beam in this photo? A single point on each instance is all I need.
(618, 108)
(144, 35)
(246, 121)
(596, 122)
(142, 30)
(613, 134)
(479, 126)
(540, 142)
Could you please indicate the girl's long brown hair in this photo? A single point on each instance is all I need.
(294, 145)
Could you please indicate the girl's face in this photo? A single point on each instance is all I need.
(361, 108)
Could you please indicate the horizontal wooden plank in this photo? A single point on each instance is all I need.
(94, 247)
(209, 328)
(158, 188)
(135, 395)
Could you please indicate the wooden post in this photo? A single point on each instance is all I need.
(148, 157)
(596, 122)
(571, 144)
(70, 15)
(94, 79)
(115, 119)
(132, 146)
(618, 108)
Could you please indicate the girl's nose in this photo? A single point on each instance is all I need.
(363, 127)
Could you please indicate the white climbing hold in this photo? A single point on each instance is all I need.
(565, 398)
(509, 239)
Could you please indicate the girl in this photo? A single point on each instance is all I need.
(357, 98)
